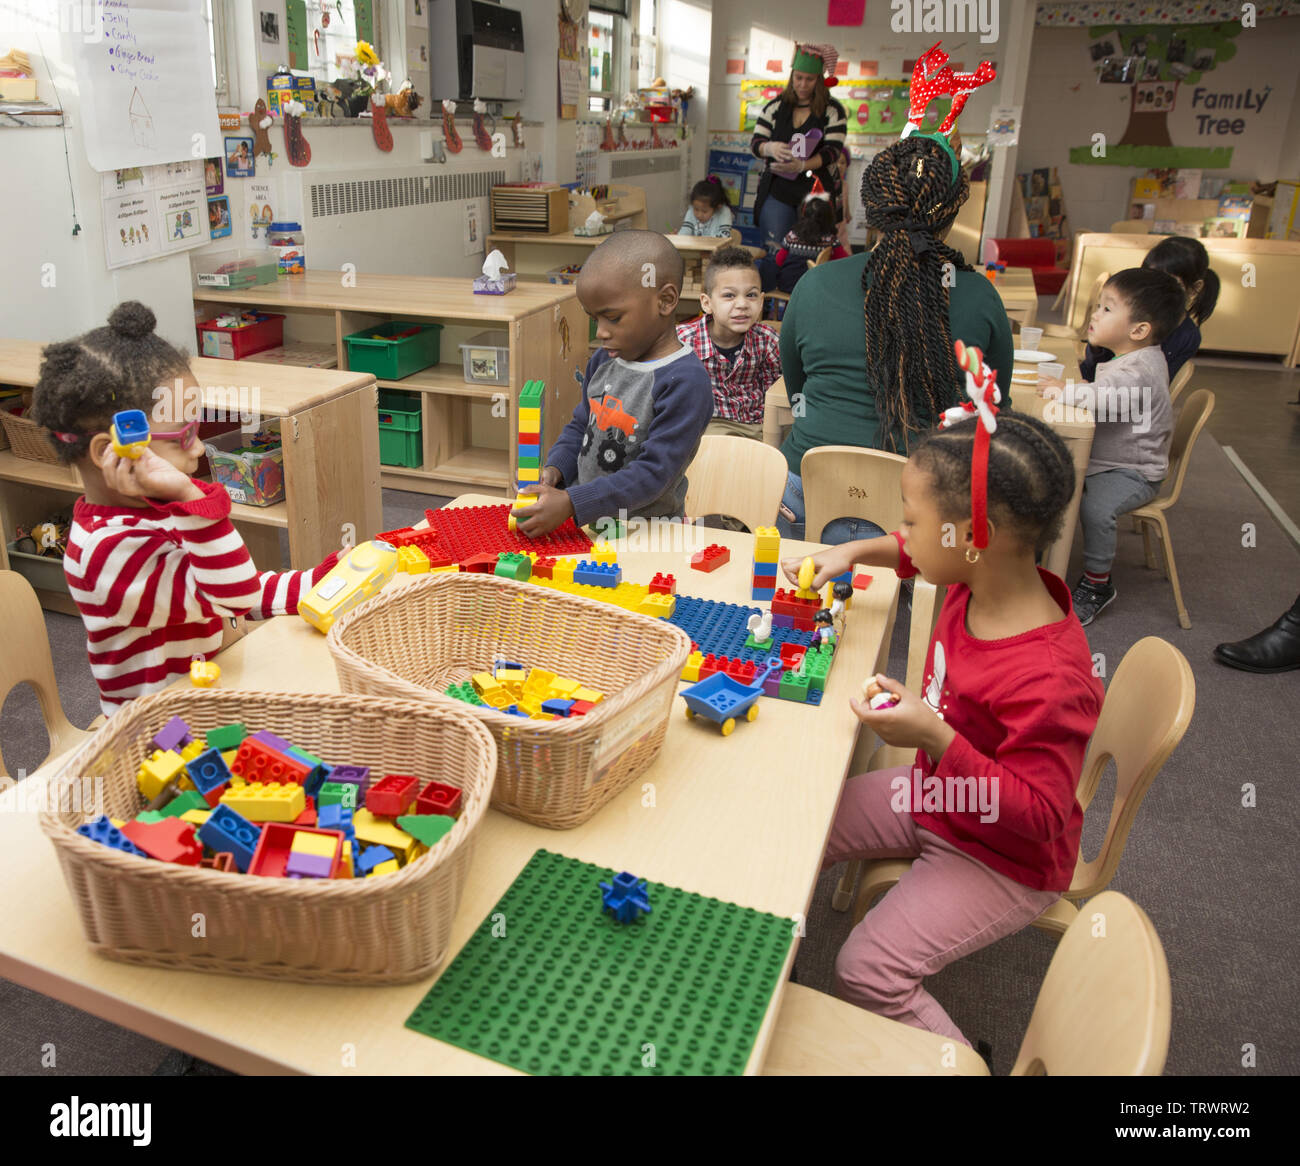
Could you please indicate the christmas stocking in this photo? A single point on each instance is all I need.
(379, 123)
(481, 134)
(607, 143)
(295, 145)
(449, 134)
(517, 128)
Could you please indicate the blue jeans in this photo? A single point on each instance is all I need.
(838, 530)
(774, 221)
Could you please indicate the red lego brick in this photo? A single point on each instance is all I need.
(257, 761)
(485, 564)
(787, 603)
(407, 536)
(530, 439)
(170, 840)
(222, 860)
(272, 853)
(742, 670)
(391, 796)
(861, 582)
(581, 708)
(709, 665)
(465, 531)
(711, 558)
(439, 798)
(544, 568)
(663, 584)
(308, 815)
(804, 623)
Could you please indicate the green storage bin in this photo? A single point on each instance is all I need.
(393, 359)
(399, 429)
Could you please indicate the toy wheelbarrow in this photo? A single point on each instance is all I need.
(722, 698)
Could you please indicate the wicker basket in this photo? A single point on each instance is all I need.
(383, 930)
(413, 641)
(29, 440)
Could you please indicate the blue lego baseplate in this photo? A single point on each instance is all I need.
(719, 628)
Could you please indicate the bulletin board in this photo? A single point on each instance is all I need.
(873, 105)
(141, 100)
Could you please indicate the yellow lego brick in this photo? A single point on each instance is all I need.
(345, 864)
(198, 817)
(158, 771)
(183, 782)
(267, 802)
(562, 572)
(563, 689)
(229, 757)
(419, 850)
(117, 822)
(691, 670)
(528, 474)
(412, 560)
(657, 604)
(319, 844)
(591, 695)
(767, 544)
(509, 676)
(380, 832)
(193, 749)
(602, 552)
(448, 567)
(483, 682)
(530, 420)
(384, 868)
(538, 684)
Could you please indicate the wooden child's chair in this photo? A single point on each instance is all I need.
(737, 478)
(27, 659)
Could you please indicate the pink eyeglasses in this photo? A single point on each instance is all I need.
(184, 436)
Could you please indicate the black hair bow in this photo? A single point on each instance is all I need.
(922, 239)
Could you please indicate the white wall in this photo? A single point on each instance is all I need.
(1065, 106)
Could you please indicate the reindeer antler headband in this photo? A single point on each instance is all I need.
(933, 77)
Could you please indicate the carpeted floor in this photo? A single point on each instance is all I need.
(1217, 879)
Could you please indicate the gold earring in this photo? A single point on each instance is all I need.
(976, 559)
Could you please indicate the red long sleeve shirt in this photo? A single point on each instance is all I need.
(1024, 709)
(154, 583)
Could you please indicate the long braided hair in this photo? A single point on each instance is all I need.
(909, 195)
(1031, 476)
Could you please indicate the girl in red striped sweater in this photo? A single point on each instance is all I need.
(158, 572)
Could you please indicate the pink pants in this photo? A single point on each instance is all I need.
(946, 906)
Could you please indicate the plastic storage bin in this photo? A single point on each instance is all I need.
(394, 350)
(566, 274)
(399, 429)
(287, 245)
(262, 330)
(251, 476)
(235, 269)
(487, 358)
(41, 571)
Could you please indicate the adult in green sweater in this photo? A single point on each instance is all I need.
(867, 342)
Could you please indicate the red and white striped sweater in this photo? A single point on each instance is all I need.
(154, 584)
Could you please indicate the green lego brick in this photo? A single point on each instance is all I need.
(337, 793)
(466, 693)
(794, 686)
(226, 737)
(531, 462)
(513, 565)
(566, 989)
(817, 668)
(530, 396)
(765, 645)
(148, 816)
(187, 799)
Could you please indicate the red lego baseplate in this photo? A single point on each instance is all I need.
(466, 531)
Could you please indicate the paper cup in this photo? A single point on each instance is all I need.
(1031, 338)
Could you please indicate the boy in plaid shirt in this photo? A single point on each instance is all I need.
(743, 357)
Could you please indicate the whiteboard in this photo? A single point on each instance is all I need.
(145, 75)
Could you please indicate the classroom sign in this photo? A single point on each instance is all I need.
(153, 210)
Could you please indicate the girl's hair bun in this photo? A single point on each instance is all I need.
(60, 359)
(133, 320)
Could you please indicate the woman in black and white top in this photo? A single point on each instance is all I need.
(800, 135)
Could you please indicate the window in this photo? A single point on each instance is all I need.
(602, 51)
(216, 16)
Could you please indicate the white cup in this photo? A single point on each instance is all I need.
(1031, 338)
(1051, 371)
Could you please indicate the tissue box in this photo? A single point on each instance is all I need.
(484, 286)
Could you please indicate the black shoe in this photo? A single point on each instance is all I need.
(1089, 599)
(1275, 649)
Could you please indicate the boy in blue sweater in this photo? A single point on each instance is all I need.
(647, 398)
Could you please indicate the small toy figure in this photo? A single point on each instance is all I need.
(877, 697)
(760, 627)
(841, 592)
(823, 630)
(404, 102)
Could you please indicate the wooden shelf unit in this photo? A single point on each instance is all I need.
(330, 440)
(467, 430)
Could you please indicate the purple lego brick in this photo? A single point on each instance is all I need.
(269, 738)
(315, 866)
(782, 621)
(772, 685)
(357, 775)
(174, 735)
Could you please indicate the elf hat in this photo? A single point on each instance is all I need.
(819, 59)
(817, 191)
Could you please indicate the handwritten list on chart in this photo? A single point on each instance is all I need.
(139, 68)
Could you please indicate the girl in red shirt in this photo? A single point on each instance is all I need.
(1010, 701)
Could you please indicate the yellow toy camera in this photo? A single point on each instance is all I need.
(359, 575)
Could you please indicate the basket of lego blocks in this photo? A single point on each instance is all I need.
(382, 912)
(447, 631)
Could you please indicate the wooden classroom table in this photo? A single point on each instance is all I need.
(1076, 432)
(329, 427)
(1015, 287)
(744, 818)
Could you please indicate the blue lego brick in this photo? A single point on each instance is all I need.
(319, 775)
(598, 574)
(625, 897)
(765, 566)
(227, 830)
(208, 771)
(847, 577)
(103, 831)
(336, 817)
(370, 859)
(763, 594)
(530, 450)
(515, 711)
(560, 708)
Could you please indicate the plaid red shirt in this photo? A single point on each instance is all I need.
(739, 385)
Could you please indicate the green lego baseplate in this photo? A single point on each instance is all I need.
(551, 984)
